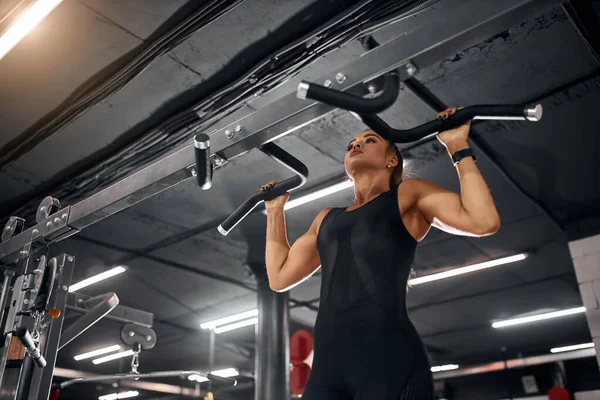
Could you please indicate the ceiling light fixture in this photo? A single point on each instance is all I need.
(122, 395)
(223, 373)
(97, 352)
(448, 367)
(97, 278)
(237, 325)
(467, 269)
(572, 347)
(227, 320)
(538, 317)
(115, 356)
(327, 191)
(25, 23)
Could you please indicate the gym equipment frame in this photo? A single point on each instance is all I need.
(454, 26)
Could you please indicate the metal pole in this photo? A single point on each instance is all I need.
(8, 274)
(272, 344)
(25, 380)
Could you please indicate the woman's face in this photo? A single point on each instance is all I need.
(367, 150)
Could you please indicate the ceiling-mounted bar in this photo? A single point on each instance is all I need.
(452, 26)
(374, 105)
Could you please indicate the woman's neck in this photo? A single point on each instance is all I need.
(369, 186)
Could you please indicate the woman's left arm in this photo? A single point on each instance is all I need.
(470, 213)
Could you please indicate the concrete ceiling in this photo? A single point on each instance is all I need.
(176, 258)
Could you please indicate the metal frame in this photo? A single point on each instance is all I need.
(107, 303)
(41, 381)
(454, 26)
(82, 304)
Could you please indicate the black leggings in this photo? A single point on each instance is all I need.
(418, 387)
(361, 355)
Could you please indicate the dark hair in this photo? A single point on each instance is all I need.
(396, 178)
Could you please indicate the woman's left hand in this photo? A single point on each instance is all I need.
(455, 138)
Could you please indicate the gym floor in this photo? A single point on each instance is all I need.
(543, 177)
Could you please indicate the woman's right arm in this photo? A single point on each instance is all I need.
(288, 266)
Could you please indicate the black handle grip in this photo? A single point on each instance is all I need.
(478, 112)
(204, 168)
(34, 352)
(285, 159)
(346, 101)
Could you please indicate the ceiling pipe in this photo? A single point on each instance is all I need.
(516, 363)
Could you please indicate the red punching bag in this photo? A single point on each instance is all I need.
(301, 345)
(558, 393)
(54, 395)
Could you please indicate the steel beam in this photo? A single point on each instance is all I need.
(108, 303)
(450, 27)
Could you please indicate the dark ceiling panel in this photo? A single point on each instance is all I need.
(131, 229)
(485, 345)
(64, 50)
(452, 252)
(514, 66)
(500, 305)
(90, 259)
(93, 130)
(209, 252)
(233, 32)
(556, 159)
(141, 17)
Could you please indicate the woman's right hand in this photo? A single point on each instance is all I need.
(278, 202)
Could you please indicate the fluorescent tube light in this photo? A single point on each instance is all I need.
(223, 373)
(448, 367)
(236, 325)
(327, 191)
(96, 278)
(98, 352)
(571, 348)
(197, 378)
(538, 317)
(338, 187)
(467, 269)
(226, 320)
(25, 23)
(115, 356)
(122, 395)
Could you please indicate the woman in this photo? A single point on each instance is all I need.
(364, 343)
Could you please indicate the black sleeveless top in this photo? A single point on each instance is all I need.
(366, 253)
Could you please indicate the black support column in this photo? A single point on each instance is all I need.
(272, 374)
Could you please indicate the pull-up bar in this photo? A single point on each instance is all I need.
(417, 48)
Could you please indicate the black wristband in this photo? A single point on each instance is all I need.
(459, 155)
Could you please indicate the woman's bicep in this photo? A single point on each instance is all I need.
(303, 258)
(302, 261)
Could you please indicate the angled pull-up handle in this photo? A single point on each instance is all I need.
(287, 160)
(106, 303)
(350, 102)
(479, 112)
(204, 168)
